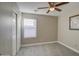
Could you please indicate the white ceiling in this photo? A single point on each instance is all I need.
(29, 7)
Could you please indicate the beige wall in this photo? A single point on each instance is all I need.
(68, 37)
(46, 29)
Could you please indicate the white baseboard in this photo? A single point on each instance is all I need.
(77, 51)
(25, 45)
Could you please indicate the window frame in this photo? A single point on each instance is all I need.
(23, 28)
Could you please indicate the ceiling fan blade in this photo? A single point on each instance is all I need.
(50, 4)
(57, 9)
(42, 7)
(62, 3)
(48, 11)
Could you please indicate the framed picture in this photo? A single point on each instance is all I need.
(74, 22)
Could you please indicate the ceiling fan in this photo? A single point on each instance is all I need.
(53, 6)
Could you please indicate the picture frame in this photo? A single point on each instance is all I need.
(74, 22)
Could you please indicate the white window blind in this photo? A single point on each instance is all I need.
(29, 28)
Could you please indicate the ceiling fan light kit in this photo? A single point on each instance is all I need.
(52, 9)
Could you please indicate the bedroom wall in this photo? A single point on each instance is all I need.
(66, 36)
(46, 28)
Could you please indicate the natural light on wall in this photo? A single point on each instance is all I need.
(29, 28)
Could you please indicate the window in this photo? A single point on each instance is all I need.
(29, 28)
